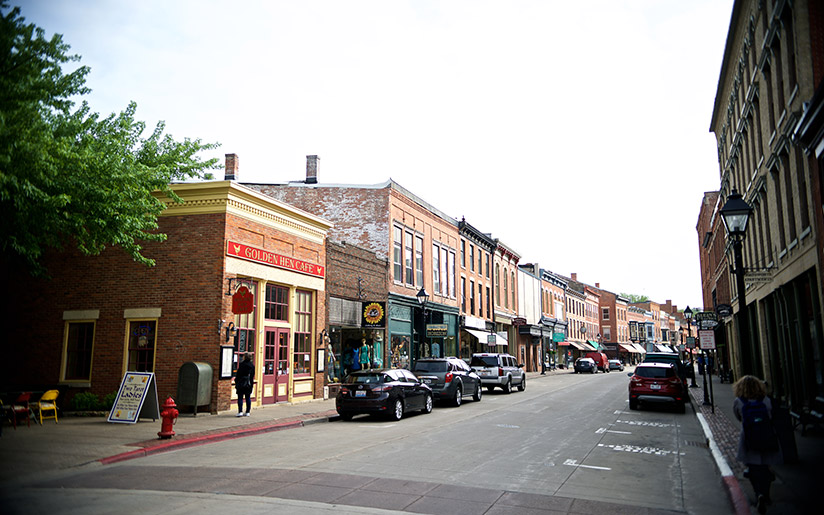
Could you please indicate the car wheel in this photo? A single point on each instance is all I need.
(397, 410)
(508, 386)
(427, 404)
(522, 386)
(458, 398)
(478, 393)
(346, 417)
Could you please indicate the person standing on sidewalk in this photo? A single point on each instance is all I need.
(243, 384)
(749, 390)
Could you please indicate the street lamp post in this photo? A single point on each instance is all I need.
(423, 298)
(735, 214)
(688, 316)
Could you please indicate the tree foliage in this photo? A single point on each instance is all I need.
(67, 175)
(635, 298)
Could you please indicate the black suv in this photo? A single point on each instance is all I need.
(449, 378)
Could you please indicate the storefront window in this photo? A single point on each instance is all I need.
(78, 357)
(277, 303)
(142, 345)
(400, 351)
(302, 353)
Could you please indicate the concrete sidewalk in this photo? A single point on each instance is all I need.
(796, 485)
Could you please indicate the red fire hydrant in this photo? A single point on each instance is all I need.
(169, 416)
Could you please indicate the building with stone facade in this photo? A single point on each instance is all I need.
(767, 124)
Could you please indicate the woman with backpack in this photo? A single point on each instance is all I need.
(758, 446)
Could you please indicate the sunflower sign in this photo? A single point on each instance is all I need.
(374, 314)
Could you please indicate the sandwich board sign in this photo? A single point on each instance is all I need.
(136, 398)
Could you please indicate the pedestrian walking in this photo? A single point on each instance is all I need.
(758, 446)
(243, 384)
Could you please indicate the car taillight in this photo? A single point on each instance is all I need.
(344, 391)
(500, 371)
(384, 388)
(448, 377)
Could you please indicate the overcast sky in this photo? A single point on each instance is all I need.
(575, 132)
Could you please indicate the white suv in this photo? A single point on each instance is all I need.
(499, 370)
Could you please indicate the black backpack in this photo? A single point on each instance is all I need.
(759, 434)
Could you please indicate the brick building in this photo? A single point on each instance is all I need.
(475, 292)
(767, 124)
(420, 244)
(100, 316)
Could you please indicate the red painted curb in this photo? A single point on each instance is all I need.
(737, 496)
(197, 440)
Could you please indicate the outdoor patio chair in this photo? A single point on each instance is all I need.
(20, 408)
(48, 403)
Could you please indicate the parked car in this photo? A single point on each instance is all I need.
(600, 359)
(501, 370)
(390, 392)
(449, 378)
(656, 383)
(669, 357)
(585, 365)
(615, 364)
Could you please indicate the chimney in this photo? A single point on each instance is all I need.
(573, 276)
(598, 285)
(312, 169)
(232, 165)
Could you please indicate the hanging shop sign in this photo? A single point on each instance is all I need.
(437, 330)
(558, 337)
(243, 302)
(374, 314)
(239, 250)
(723, 310)
(706, 319)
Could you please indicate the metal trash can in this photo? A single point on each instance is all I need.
(194, 385)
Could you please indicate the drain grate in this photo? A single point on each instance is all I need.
(703, 444)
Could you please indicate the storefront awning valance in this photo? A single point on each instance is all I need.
(640, 348)
(588, 347)
(482, 336)
(662, 348)
(628, 348)
(502, 340)
(563, 344)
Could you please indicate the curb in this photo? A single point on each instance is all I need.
(731, 484)
(204, 439)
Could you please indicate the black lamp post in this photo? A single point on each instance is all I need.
(735, 214)
(688, 316)
(423, 298)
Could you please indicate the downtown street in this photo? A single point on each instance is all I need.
(568, 444)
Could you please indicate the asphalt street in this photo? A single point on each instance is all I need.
(568, 444)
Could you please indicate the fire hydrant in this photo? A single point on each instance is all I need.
(169, 416)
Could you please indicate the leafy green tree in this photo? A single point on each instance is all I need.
(67, 175)
(635, 298)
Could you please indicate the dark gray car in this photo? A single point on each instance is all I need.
(450, 379)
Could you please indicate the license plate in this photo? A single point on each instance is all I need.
(655, 386)
(360, 393)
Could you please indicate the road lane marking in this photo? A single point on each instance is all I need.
(605, 430)
(642, 450)
(644, 423)
(574, 463)
(508, 426)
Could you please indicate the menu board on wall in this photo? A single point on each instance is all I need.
(136, 398)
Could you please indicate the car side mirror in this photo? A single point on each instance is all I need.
(629, 374)
(521, 365)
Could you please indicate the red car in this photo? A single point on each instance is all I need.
(657, 383)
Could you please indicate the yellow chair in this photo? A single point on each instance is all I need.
(48, 402)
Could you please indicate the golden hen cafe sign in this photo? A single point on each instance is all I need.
(239, 250)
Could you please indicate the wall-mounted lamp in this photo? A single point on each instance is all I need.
(230, 331)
